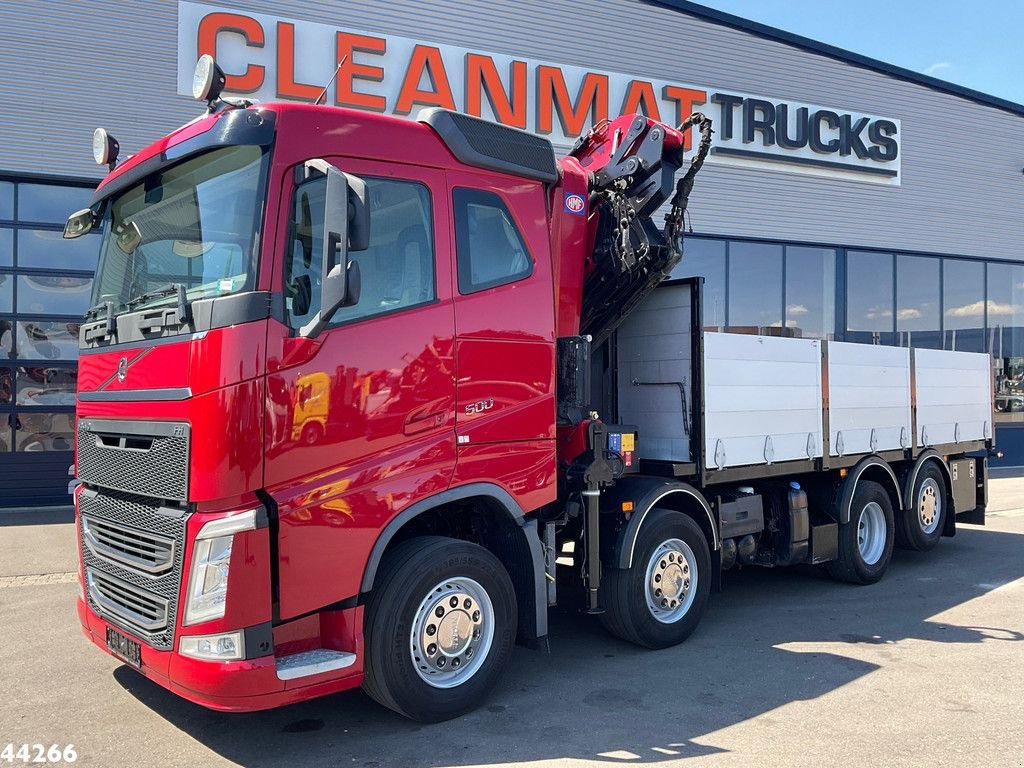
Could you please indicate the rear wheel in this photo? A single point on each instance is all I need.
(659, 601)
(439, 626)
(866, 541)
(920, 527)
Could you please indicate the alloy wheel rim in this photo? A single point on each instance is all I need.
(670, 583)
(452, 632)
(871, 533)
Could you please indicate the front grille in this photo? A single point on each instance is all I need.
(137, 549)
(142, 457)
(133, 519)
(135, 607)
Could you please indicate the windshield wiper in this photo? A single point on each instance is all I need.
(111, 326)
(184, 306)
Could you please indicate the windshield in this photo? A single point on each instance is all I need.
(195, 224)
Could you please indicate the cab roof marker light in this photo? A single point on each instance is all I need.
(228, 526)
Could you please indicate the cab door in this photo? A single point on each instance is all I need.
(505, 334)
(360, 419)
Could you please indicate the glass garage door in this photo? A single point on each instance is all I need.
(45, 286)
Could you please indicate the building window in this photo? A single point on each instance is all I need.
(45, 288)
(6, 201)
(963, 305)
(6, 247)
(706, 258)
(1005, 338)
(810, 292)
(755, 288)
(918, 312)
(869, 297)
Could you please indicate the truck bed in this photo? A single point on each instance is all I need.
(716, 401)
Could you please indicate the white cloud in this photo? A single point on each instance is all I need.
(908, 314)
(797, 309)
(937, 67)
(977, 309)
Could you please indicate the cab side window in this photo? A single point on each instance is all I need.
(489, 247)
(396, 271)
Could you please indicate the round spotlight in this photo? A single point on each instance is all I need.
(104, 147)
(208, 80)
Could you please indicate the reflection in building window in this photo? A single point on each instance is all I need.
(1005, 338)
(963, 305)
(46, 386)
(869, 297)
(48, 340)
(43, 431)
(706, 258)
(6, 293)
(50, 203)
(917, 302)
(6, 200)
(54, 294)
(47, 249)
(6, 390)
(810, 292)
(755, 288)
(6, 247)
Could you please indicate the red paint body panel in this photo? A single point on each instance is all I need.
(388, 436)
(569, 251)
(525, 469)
(399, 393)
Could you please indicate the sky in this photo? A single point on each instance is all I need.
(975, 44)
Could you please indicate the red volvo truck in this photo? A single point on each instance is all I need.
(361, 397)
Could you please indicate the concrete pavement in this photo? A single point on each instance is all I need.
(787, 668)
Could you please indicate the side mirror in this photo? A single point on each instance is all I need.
(346, 227)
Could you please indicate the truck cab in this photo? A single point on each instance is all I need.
(222, 402)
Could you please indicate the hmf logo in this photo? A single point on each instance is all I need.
(273, 58)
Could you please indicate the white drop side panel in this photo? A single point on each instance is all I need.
(762, 399)
(868, 398)
(655, 373)
(954, 396)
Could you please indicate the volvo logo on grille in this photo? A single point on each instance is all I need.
(122, 369)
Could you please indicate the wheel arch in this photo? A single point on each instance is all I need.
(515, 542)
(869, 468)
(646, 493)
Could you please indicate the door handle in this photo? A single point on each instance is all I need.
(423, 422)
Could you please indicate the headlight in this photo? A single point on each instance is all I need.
(211, 560)
(227, 647)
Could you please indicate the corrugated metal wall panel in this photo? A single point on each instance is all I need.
(961, 177)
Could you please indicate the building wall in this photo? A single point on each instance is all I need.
(961, 184)
(116, 66)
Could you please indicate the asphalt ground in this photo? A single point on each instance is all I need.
(788, 668)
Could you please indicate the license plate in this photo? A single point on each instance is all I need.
(124, 648)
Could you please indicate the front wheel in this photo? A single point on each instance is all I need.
(439, 627)
(659, 601)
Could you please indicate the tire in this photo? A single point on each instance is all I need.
(416, 578)
(312, 433)
(920, 527)
(670, 546)
(864, 560)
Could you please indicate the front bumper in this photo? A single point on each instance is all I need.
(229, 686)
